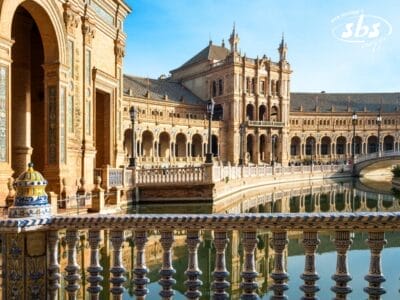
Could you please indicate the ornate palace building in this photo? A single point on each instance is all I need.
(257, 119)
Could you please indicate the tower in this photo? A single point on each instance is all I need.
(282, 49)
(234, 39)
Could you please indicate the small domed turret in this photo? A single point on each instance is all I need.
(30, 197)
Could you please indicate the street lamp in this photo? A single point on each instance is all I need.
(273, 140)
(132, 159)
(379, 122)
(210, 111)
(241, 133)
(354, 118)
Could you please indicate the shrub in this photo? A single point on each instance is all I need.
(396, 171)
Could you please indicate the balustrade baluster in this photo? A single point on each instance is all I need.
(249, 274)
(72, 268)
(279, 275)
(375, 241)
(95, 268)
(167, 271)
(117, 280)
(53, 268)
(140, 270)
(310, 276)
(342, 277)
(193, 272)
(220, 272)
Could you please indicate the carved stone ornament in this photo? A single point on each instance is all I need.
(88, 30)
(71, 18)
(119, 50)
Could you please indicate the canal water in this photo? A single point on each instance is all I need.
(324, 196)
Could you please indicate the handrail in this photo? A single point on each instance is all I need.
(360, 221)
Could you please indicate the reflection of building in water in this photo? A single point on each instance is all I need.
(324, 196)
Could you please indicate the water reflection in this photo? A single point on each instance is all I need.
(324, 196)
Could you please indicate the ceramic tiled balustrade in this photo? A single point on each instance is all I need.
(26, 239)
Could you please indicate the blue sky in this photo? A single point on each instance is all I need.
(163, 34)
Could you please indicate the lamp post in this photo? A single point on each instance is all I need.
(353, 153)
(379, 122)
(210, 111)
(273, 140)
(132, 159)
(241, 133)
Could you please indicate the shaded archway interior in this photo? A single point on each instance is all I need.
(28, 94)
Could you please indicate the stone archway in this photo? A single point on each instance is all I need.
(36, 95)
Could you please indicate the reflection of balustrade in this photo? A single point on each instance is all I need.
(144, 227)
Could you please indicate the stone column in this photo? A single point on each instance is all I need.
(220, 272)
(95, 268)
(249, 274)
(53, 266)
(117, 280)
(193, 283)
(310, 276)
(167, 270)
(279, 241)
(376, 242)
(140, 270)
(72, 278)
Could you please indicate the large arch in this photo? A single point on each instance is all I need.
(341, 145)
(250, 112)
(295, 144)
(310, 146)
(164, 144)
(372, 144)
(49, 21)
(147, 143)
(250, 146)
(326, 145)
(263, 147)
(197, 145)
(180, 145)
(262, 113)
(388, 143)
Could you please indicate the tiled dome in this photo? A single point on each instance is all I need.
(30, 198)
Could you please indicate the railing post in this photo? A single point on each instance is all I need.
(342, 277)
(54, 268)
(249, 274)
(375, 241)
(220, 272)
(279, 241)
(167, 271)
(140, 270)
(72, 268)
(117, 270)
(310, 276)
(95, 268)
(193, 272)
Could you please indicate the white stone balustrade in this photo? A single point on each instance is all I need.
(141, 227)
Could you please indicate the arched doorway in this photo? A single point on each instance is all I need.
(180, 146)
(358, 144)
(250, 112)
(214, 146)
(263, 145)
(310, 148)
(33, 100)
(249, 148)
(341, 145)
(388, 143)
(295, 146)
(326, 145)
(147, 144)
(197, 143)
(164, 145)
(372, 144)
(262, 113)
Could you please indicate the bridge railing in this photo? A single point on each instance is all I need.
(369, 156)
(24, 240)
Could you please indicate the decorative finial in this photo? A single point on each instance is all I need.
(30, 165)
